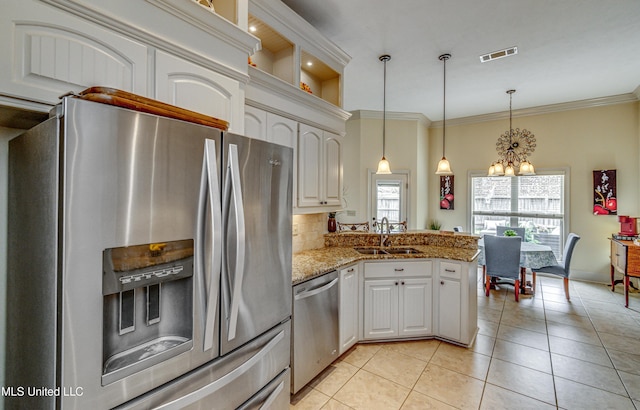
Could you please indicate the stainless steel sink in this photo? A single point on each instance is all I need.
(371, 251)
(397, 251)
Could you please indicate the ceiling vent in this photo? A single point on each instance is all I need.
(507, 52)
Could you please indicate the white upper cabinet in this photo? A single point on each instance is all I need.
(47, 53)
(281, 130)
(176, 51)
(191, 86)
(319, 168)
(255, 123)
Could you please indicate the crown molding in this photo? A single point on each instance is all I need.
(400, 116)
(545, 109)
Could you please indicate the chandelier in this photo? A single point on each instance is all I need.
(514, 148)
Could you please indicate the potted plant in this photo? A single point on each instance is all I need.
(435, 225)
(510, 232)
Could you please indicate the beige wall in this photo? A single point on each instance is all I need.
(407, 141)
(581, 140)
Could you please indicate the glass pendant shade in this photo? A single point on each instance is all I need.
(383, 167)
(444, 168)
(526, 168)
(492, 170)
(509, 171)
(498, 169)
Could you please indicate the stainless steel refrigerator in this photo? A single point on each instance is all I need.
(149, 264)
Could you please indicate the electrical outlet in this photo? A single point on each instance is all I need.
(295, 229)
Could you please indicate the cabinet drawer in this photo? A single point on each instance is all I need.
(450, 270)
(619, 256)
(398, 268)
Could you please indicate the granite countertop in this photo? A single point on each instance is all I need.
(316, 262)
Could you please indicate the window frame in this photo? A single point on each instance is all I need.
(405, 193)
(565, 216)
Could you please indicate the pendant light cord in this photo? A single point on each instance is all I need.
(444, 58)
(444, 101)
(384, 105)
(510, 92)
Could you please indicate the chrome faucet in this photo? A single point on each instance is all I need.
(384, 238)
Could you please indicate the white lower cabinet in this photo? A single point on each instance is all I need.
(457, 313)
(397, 299)
(348, 307)
(420, 298)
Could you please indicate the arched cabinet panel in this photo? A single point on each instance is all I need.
(188, 85)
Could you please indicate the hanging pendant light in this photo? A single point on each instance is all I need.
(514, 147)
(383, 165)
(444, 168)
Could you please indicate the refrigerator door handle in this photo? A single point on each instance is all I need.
(204, 391)
(235, 198)
(209, 189)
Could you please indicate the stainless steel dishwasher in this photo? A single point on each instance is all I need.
(315, 328)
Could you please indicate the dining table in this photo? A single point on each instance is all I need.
(532, 256)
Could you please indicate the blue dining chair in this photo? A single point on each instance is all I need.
(564, 269)
(502, 259)
(501, 229)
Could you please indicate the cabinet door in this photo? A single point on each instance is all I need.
(332, 169)
(348, 307)
(255, 123)
(449, 309)
(381, 308)
(415, 307)
(196, 88)
(281, 130)
(47, 52)
(310, 144)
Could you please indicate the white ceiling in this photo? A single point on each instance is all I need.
(568, 50)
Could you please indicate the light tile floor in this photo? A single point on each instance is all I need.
(540, 353)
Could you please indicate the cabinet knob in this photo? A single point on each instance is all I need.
(442, 282)
(396, 283)
(402, 283)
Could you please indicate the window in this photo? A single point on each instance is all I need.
(536, 203)
(388, 196)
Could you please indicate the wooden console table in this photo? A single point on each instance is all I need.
(625, 258)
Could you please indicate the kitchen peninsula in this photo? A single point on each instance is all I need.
(421, 286)
(339, 250)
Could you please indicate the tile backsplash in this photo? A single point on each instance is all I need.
(310, 231)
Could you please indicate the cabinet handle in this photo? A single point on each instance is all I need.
(350, 270)
(449, 270)
(399, 269)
